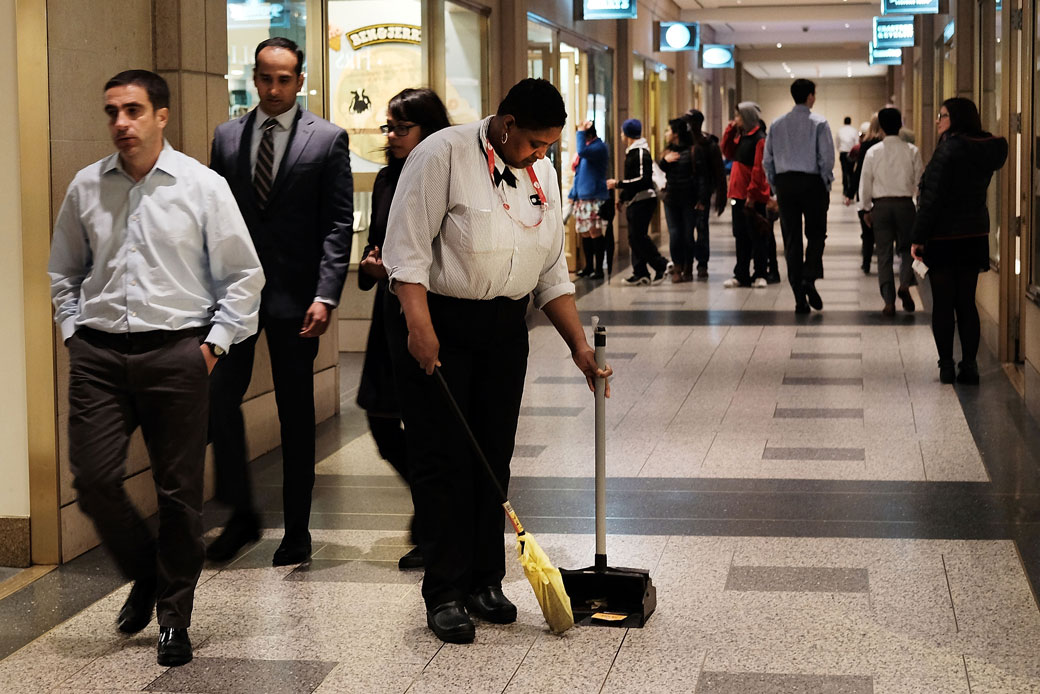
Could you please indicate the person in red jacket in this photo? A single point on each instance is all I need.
(743, 143)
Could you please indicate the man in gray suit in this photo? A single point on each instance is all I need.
(289, 170)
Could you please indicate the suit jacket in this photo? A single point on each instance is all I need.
(303, 236)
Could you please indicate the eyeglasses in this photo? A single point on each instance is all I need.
(400, 130)
(941, 116)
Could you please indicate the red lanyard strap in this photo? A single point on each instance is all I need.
(530, 174)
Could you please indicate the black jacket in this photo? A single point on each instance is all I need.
(639, 175)
(952, 201)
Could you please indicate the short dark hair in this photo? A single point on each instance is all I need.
(535, 104)
(964, 116)
(848, 120)
(158, 90)
(590, 133)
(281, 42)
(681, 128)
(422, 107)
(801, 89)
(890, 120)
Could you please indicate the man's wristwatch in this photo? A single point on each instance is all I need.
(216, 350)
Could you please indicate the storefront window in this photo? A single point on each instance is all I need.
(248, 23)
(989, 48)
(1034, 275)
(465, 62)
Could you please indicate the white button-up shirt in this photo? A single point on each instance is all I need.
(891, 169)
(449, 229)
(168, 252)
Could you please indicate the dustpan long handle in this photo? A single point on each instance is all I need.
(477, 450)
(600, 340)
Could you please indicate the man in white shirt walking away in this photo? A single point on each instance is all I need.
(887, 187)
(848, 137)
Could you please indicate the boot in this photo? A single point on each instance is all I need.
(687, 272)
(598, 245)
(586, 250)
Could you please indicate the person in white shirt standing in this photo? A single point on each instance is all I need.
(474, 229)
(848, 137)
(887, 187)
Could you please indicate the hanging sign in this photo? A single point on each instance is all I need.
(717, 55)
(884, 56)
(909, 6)
(608, 9)
(893, 32)
(679, 36)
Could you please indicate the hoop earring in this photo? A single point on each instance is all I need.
(505, 136)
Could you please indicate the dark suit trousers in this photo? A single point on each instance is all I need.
(803, 195)
(158, 382)
(483, 349)
(292, 368)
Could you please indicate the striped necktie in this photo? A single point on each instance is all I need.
(262, 174)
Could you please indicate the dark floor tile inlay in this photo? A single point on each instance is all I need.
(797, 579)
(818, 413)
(242, 676)
(775, 683)
(551, 411)
(857, 356)
(658, 302)
(559, 380)
(777, 453)
(530, 451)
(629, 333)
(821, 381)
(828, 333)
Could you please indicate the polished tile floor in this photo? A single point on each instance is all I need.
(818, 513)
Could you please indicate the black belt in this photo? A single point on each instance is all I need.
(136, 343)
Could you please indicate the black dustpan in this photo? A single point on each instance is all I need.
(602, 595)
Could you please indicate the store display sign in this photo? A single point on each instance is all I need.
(909, 6)
(680, 36)
(893, 32)
(608, 9)
(717, 55)
(884, 56)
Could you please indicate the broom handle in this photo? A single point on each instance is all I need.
(599, 335)
(476, 449)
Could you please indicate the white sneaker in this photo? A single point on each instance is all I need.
(760, 283)
(731, 283)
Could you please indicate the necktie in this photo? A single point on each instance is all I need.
(262, 174)
(506, 176)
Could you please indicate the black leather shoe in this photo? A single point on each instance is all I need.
(947, 374)
(492, 605)
(908, 301)
(412, 560)
(238, 533)
(137, 610)
(813, 296)
(968, 373)
(801, 307)
(450, 622)
(174, 647)
(292, 552)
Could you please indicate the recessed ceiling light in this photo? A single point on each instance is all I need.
(846, 26)
(763, 27)
(779, 45)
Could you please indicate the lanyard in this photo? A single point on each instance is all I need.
(505, 205)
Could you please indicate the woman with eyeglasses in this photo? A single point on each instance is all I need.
(475, 230)
(952, 228)
(411, 116)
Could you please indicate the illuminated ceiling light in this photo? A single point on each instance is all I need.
(779, 45)
(846, 26)
(763, 27)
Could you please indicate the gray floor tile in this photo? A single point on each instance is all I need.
(242, 676)
(818, 413)
(775, 683)
(816, 334)
(529, 450)
(559, 380)
(551, 411)
(798, 579)
(821, 381)
(352, 571)
(776, 453)
(857, 356)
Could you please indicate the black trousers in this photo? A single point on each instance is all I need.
(803, 195)
(846, 176)
(866, 235)
(157, 381)
(292, 368)
(643, 250)
(953, 294)
(752, 246)
(483, 349)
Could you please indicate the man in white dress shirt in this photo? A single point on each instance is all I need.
(887, 187)
(848, 137)
(475, 228)
(153, 277)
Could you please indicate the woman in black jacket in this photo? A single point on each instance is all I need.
(688, 195)
(951, 230)
(411, 116)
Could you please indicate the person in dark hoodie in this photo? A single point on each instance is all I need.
(711, 175)
(640, 199)
(587, 195)
(951, 230)
(687, 196)
(411, 116)
(743, 142)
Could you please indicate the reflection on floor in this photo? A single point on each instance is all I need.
(818, 512)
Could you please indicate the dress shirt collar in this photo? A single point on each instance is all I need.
(801, 108)
(285, 120)
(892, 137)
(500, 164)
(166, 162)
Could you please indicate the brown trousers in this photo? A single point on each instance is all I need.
(158, 381)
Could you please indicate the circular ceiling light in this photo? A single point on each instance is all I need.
(717, 55)
(678, 36)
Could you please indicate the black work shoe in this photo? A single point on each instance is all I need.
(968, 373)
(450, 622)
(492, 605)
(174, 647)
(412, 560)
(947, 374)
(801, 307)
(597, 275)
(813, 296)
(292, 551)
(137, 610)
(908, 301)
(238, 533)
